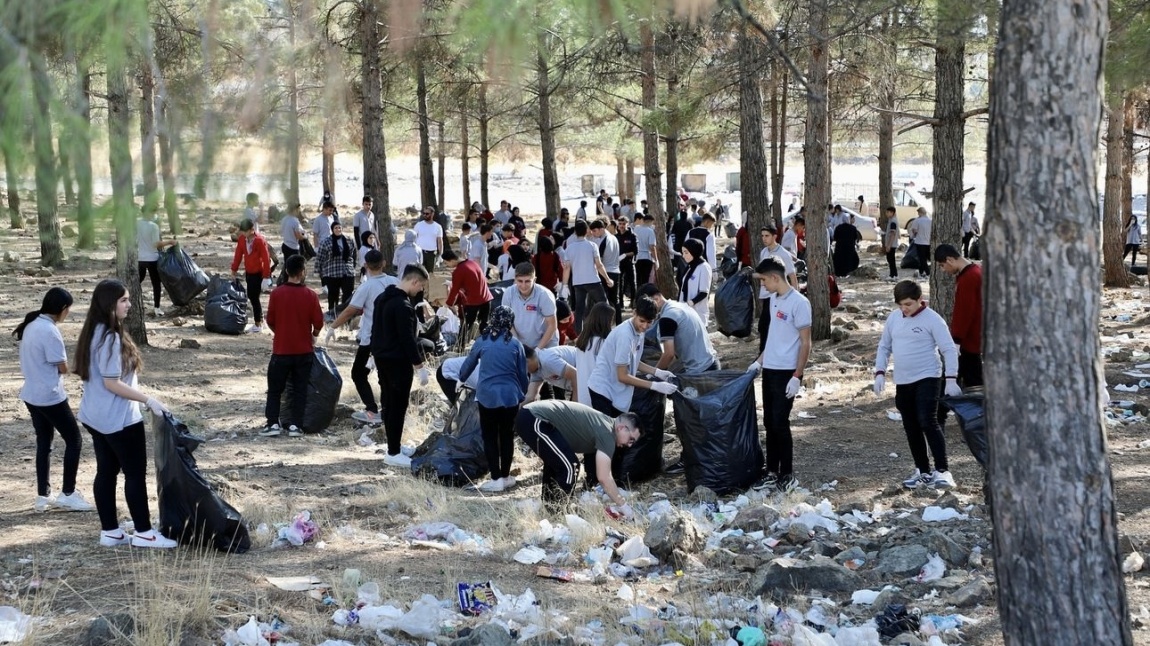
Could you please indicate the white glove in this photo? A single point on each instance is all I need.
(664, 388)
(329, 335)
(424, 376)
(564, 291)
(663, 375)
(371, 363)
(625, 511)
(155, 406)
(952, 389)
(755, 367)
(793, 387)
(879, 385)
(267, 284)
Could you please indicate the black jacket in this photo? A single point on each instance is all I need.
(394, 328)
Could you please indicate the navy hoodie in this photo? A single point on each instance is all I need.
(394, 328)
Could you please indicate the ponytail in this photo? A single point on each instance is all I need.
(55, 302)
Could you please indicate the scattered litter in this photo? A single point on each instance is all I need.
(893, 455)
(934, 570)
(751, 636)
(625, 593)
(558, 574)
(635, 553)
(933, 514)
(475, 598)
(932, 625)
(296, 583)
(255, 633)
(530, 555)
(805, 415)
(893, 415)
(365, 439)
(1133, 563)
(301, 530)
(867, 597)
(14, 625)
(1123, 388)
(444, 536)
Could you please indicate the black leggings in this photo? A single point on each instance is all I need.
(498, 427)
(892, 263)
(125, 451)
(47, 420)
(336, 286)
(603, 404)
(255, 286)
(151, 267)
(1131, 249)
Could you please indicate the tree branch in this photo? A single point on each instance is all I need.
(775, 44)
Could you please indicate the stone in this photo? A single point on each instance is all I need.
(865, 272)
(874, 248)
(485, 635)
(721, 559)
(903, 560)
(825, 548)
(839, 335)
(110, 629)
(852, 554)
(907, 639)
(11, 257)
(798, 533)
(189, 344)
(851, 308)
(69, 231)
(672, 535)
(888, 597)
(31, 271)
(747, 562)
(45, 272)
(970, 594)
(785, 575)
(851, 325)
(949, 499)
(939, 543)
(703, 494)
(1121, 356)
(755, 519)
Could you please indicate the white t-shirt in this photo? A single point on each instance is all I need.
(789, 314)
(914, 342)
(321, 227)
(783, 256)
(791, 241)
(452, 367)
(502, 216)
(364, 221)
(582, 254)
(966, 218)
(531, 314)
(920, 230)
(147, 236)
(99, 408)
(288, 228)
(610, 253)
(364, 299)
(41, 351)
(645, 239)
(622, 347)
(553, 364)
(1134, 235)
(477, 251)
(426, 234)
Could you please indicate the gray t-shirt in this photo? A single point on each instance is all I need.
(364, 221)
(582, 254)
(553, 364)
(680, 323)
(622, 347)
(531, 314)
(364, 299)
(41, 351)
(585, 429)
(99, 408)
(147, 236)
(288, 228)
(321, 227)
(645, 239)
(609, 252)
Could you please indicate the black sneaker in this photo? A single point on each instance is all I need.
(674, 469)
(787, 483)
(768, 481)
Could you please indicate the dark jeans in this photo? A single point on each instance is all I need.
(586, 297)
(359, 373)
(560, 464)
(282, 370)
(47, 420)
(288, 251)
(966, 238)
(918, 404)
(255, 286)
(923, 252)
(764, 322)
(498, 428)
(448, 386)
(644, 271)
(125, 451)
(627, 288)
(1131, 249)
(336, 286)
(473, 313)
(429, 258)
(395, 377)
(613, 295)
(892, 263)
(151, 267)
(547, 391)
(603, 404)
(777, 422)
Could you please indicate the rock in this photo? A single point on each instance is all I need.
(673, 535)
(755, 519)
(874, 248)
(747, 562)
(939, 543)
(851, 325)
(703, 494)
(11, 257)
(851, 308)
(110, 629)
(825, 548)
(31, 271)
(68, 231)
(544, 640)
(903, 560)
(189, 344)
(1121, 356)
(798, 533)
(179, 321)
(888, 597)
(865, 272)
(784, 575)
(852, 554)
(486, 635)
(839, 335)
(45, 272)
(949, 499)
(907, 639)
(970, 594)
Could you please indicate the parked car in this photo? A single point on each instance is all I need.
(906, 203)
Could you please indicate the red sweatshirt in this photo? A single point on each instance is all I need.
(468, 285)
(295, 317)
(256, 261)
(743, 246)
(966, 321)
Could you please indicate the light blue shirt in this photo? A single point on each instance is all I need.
(41, 351)
(100, 409)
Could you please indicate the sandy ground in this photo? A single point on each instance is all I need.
(841, 433)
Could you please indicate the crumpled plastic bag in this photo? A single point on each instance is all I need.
(14, 625)
(249, 634)
(530, 555)
(934, 570)
(580, 528)
(301, 530)
(424, 618)
(804, 636)
(635, 553)
(933, 514)
(857, 636)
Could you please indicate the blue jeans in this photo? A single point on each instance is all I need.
(918, 404)
(777, 422)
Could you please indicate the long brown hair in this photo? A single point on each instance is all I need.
(103, 310)
(598, 324)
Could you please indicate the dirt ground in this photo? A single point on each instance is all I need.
(52, 568)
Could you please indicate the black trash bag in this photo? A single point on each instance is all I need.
(896, 620)
(181, 276)
(718, 429)
(729, 265)
(735, 305)
(226, 309)
(190, 511)
(497, 290)
(910, 258)
(455, 455)
(968, 408)
(323, 390)
(643, 460)
(976, 249)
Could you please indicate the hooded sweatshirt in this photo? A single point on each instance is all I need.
(394, 328)
(408, 253)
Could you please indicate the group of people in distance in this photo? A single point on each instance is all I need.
(556, 365)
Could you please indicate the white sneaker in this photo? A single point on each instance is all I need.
(918, 479)
(400, 460)
(367, 417)
(943, 480)
(293, 431)
(509, 482)
(255, 329)
(157, 312)
(407, 451)
(271, 430)
(73, 502)
(43, 503)
(114, 538)
(152, 538)
(492, 486)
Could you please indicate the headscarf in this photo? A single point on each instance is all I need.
(344, 247)
(500, 324)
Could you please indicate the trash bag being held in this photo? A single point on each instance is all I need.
(182, 277)
(735, 305)
(968, 408)
(226, 309)
(455, 455)
(910, 258)
(715, 419)
(643, 460)
(190, 511)
(324, 387)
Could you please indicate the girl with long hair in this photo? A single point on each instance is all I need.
(44, 362)
(598, 324)
(108, 363)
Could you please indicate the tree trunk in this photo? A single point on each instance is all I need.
(48, 224)
(629, 178)
(1055, 522)
(653, 179)
(327, 164)
(817, 188)
(620, 178)
(82, 156)
(752, 155)
(778, 146)
(484, 148)
(672, 135)
(167, 162)
(426, 169)
(294, 136)
(887, 95)
(1127, 157)
(464, 157)
(551, 198)
(124, 215)
(374, 153)
(148, 138)
(946, 228)
(209, 122)
(441, 170)
(12, 183)
(1113, 239)
(65, 169)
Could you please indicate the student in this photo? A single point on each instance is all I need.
(149, 244)
(613, 379)
(252, 251)
(553, 369)
(253, 211)
(43, 363)
(395, 348)
(292, 232)
(566, 322)
(646, 257)
(321, 226)
(364, 220)
(107, 361)
(583, 270)
(367, 243)
(465, 240)
(363, 304)
(914, 335)
(559, 431)
(407, 253)
(705, 233)
(890, 242)
(695, 288)
(548, 268)
(581, 213)
(1133, 240)
(772, 249)
(295, 319)
(609, 253)
(966, 319)
(429, 238)
(793, 238)
(628, 247)
(919, 230)
(469, 294)
(335, 258)
(447, 375)
(534, 309)
(681, 335)
(782, 364)
(969, 226)
(503, 379)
